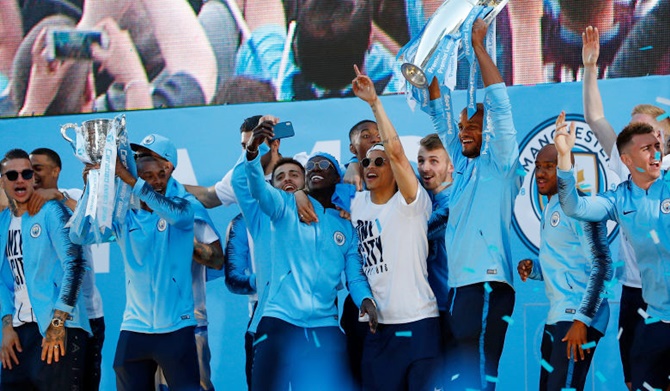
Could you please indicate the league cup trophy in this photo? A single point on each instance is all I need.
(99, 142)
(446, 21)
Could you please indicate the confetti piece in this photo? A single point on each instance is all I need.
(667, 176)
(260, 339)
(619, 334)
(469, 270)
(657, 155)
(568, 389)
(403, 333)
(601, 377)
(493, 248)
(508, 319)
(662, 117)
(619, 263)
(642, 313)
(550, 336)
(521, 171)
(491, 379)
(316, 339)
(648, 387)
(379, 226)
(487, 287)
(663, 101)
(455, 376)
(546, 366)
(639, 169)
(646, 48)
(651, 320)
(589, 345)
(654, 236)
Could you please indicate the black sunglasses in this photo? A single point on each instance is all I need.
(323, 165)
(379, 161)
(14, 175)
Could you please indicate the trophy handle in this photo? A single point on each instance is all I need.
(63, 132)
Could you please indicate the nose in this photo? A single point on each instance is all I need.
(376, 138)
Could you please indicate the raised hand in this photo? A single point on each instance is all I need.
(363, 87)
(564, 138)
(590, 46)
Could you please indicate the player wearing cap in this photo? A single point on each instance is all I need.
(391, 219)
(156, 241)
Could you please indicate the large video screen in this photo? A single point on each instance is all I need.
(142, 54)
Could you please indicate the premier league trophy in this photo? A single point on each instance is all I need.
(99, 142)
(447, 21)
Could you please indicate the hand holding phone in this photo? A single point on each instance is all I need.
(63, 43)
(283, 130)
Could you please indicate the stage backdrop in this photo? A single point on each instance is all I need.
(208, 142)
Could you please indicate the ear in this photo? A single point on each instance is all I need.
(626, 160)
(352, 149)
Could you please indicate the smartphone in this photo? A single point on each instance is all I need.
(283, 130)
(71, 43)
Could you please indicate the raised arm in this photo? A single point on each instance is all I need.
(490, 73)
(439, 115)
(593, 103)
(183, 42)
(175, 210)
(402, 170)
(582, 208)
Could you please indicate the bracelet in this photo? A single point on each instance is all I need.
(252, 151)
(65, 196)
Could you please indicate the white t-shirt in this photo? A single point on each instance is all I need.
(23, 310)
(394, 247)
(204, 234)
(630, 274)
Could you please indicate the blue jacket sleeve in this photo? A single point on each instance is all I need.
(70, 256)
(357, 282)
(269, 199)
(439, 115)
(176, 211)
(594, 242)
(238, 259)
(437, 224)
(583, 208)
(499, 131)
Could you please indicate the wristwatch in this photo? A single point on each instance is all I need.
(57, 322)
(65, 196)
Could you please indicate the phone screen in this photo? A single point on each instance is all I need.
(75, 43)
(283, 130)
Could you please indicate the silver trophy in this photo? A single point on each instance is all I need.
(89, 143)
(446, 20)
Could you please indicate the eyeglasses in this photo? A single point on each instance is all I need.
(379, 161)
(14, 175)
(323, 165)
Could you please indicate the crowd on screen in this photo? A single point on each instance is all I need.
(173, 53)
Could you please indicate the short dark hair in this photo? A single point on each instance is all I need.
(358, 127)
(250, 123)
(50, 153)
(431, 142)
(244, 89)
(625, 138)
(285, 160)
(13, 154)
(331, 36)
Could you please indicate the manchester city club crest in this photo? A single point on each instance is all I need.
(339, 238)
(555, 219)
(162, 225)
(35, 230)
(665, 206)
(591, 170)
(148, 140)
